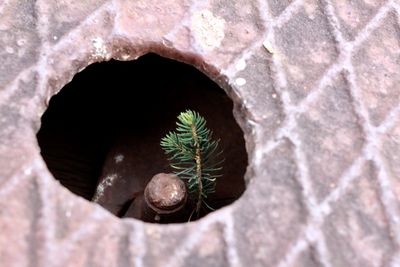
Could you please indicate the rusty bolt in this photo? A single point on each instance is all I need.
(165, 194)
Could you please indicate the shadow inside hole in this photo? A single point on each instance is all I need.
(105, 127)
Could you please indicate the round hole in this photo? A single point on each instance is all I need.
(100, 136)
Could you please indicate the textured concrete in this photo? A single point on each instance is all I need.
(316, 87)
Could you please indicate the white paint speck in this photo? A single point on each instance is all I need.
(55, 38)
(274, 96)
(10, 50)
(100, 48)
(240, 81)
(126, 56)
(326, 210)
(241, 65)
(28, 171)
(119, 158)
(21, 42)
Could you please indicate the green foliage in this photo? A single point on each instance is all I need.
(195, 157)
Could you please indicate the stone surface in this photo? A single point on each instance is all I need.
(378, 80)
(18, 38)
(271, 233)
(323, 183)
(391, 152)
(306, 258)
(336, 136)
(354, 15)
(278, 6)
(263, 100)
(360, 228)
(305, 47)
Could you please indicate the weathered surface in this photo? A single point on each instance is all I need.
(316, 90)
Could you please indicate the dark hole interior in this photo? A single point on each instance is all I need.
(100, 136)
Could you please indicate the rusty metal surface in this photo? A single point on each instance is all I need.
(316, 87)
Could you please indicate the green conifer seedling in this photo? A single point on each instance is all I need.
(194, 156)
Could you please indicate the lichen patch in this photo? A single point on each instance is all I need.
(103, 185)
(207, 30)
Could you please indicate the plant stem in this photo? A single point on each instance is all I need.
(198, 168)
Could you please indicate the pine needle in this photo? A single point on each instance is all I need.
(195, 157)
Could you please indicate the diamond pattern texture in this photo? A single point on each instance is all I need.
(316, 91)
(354, 15)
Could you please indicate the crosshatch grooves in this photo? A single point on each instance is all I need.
(311, 235)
